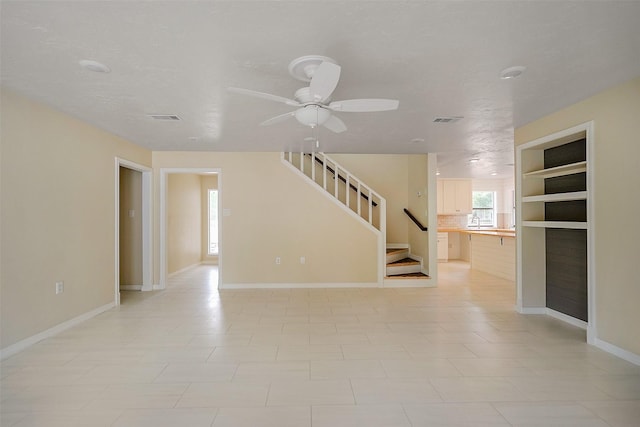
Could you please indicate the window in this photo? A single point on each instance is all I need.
(213, 222)
(484, 209)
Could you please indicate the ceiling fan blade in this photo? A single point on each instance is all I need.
(278, 119)
(263, 95)
(364, 105)
(324, 81)
(334, 124)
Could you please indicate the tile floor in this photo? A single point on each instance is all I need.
(456, 355)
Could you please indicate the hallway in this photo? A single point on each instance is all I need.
(455, 355)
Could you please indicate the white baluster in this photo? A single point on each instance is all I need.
(346, 186)
(370, 203)
(359, 196)
(302, 162)
(335, 181)
(324, 173)
(313, 166)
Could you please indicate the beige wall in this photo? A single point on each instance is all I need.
(386, 174)
(130, 227)
(184, 221)
(58, 178)
(273, 212)
(208, 182)
(616, 169)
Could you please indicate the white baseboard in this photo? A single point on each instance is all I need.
(130, 287)
(21, 345)
(597, 342)
(298, 285)
(617, 351)
(532, 310)
(187, 268)
(568, 319)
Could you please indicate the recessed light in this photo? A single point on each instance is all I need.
(94, 66)
(494, 173)
(447, 119)
(167, 117)
(512, 72)
(474, 160)
(437, 172)
(417, 140)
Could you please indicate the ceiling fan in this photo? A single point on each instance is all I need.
(314, 105)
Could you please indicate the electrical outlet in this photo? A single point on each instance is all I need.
(278, 260)
(302, 260)
(59, 287)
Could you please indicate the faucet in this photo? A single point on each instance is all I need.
(475, 218)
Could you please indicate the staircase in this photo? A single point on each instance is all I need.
(396, 267)
(403, 270)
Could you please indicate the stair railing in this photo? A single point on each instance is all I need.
(415, 220)
(346, 190)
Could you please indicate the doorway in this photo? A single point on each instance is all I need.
(185, 220)
(133, 228)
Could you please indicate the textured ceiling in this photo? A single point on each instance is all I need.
(437, 58)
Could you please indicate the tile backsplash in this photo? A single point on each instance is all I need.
(460, 221)
(452, 221)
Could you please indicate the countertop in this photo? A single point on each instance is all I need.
(501, 232)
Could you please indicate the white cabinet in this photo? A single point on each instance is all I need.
(454, 196)
(443, 246)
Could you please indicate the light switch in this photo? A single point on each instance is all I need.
(226, 212)
(132, 213)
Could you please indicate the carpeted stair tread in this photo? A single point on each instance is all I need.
(408, 276)
(404, 261)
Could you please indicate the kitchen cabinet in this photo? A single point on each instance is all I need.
(443, 246)
(454, 196)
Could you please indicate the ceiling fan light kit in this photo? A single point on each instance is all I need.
(312, 115)
(313, 102)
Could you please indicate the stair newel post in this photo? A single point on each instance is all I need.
(313, 166)
(290, 157)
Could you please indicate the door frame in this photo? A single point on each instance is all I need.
(146, 215)
(164, 188)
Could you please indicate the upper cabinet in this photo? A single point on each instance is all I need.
(454, 196)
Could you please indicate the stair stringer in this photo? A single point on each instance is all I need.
(380, 232)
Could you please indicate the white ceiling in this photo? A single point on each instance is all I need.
(438, 58)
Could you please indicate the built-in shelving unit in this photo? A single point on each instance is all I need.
(557, 197)
(553, 191)
(557, 171)
(556, 224)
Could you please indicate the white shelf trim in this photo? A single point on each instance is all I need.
(558, 197)
(556, 224)
(557, 171)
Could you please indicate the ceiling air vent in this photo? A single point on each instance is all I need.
(449, 119)
(167, 117)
